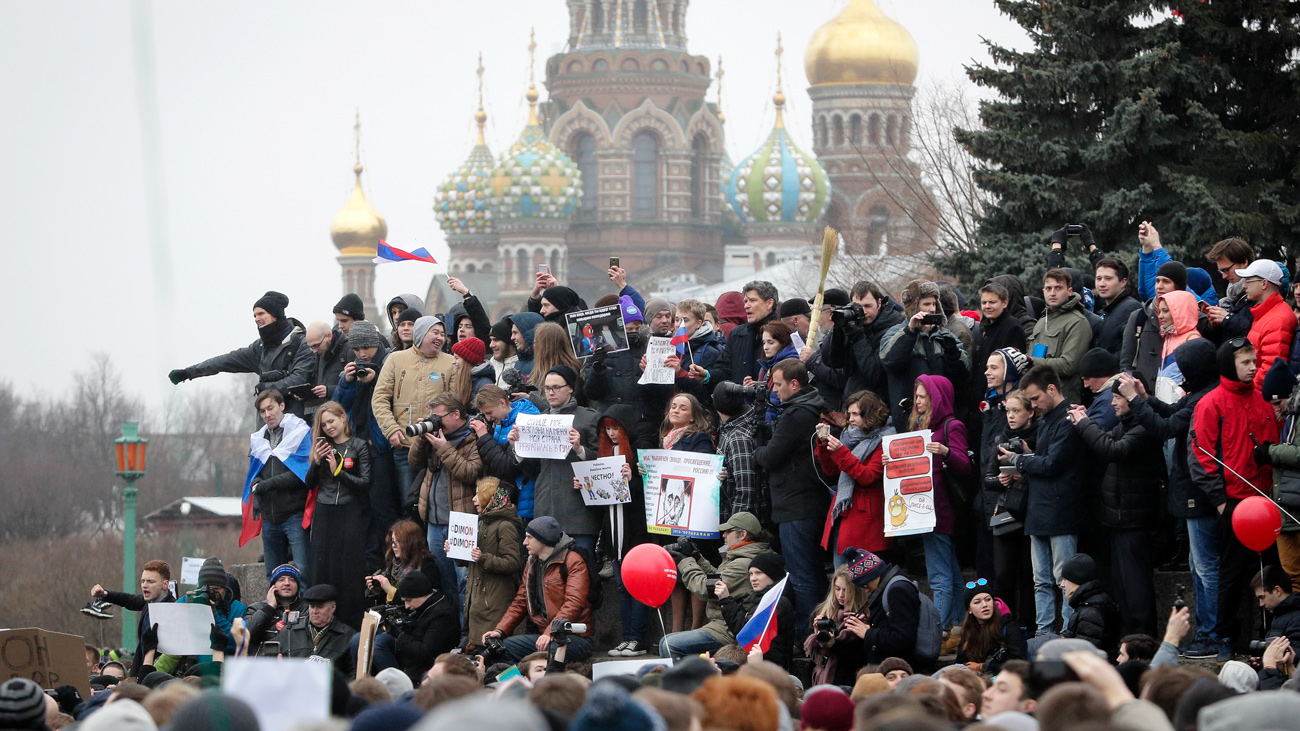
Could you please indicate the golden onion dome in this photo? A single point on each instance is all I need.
(861, 45)
(357, 228)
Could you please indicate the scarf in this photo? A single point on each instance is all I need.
(273, 333)
(500, 498)
(861, 445)
(673, 436)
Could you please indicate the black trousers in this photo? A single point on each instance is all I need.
(1133, 581)
(1013, 576)
(1237, 565)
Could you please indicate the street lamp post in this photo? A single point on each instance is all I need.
(130, 467)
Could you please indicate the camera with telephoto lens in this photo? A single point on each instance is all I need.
(1015, 445)
(826, 629)
(1257, 647)
(363, 368)
(755, 391)
(848, 315)
(561, 628)
(427, 425)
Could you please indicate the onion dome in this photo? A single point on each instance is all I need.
(461, 203)
(357, 228)
(862, 45)
(534, 179)
(779, 183)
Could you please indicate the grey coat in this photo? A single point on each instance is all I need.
(289, 364)
(553, 494)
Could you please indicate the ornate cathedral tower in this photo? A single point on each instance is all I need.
(861, 66)
(356, 231)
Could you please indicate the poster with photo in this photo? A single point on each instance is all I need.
(909, 484)
(682, 492)
(600, 328)
(602, 481)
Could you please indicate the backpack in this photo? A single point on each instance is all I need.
(929, 629)
(594, 594)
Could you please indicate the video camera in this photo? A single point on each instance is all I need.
(394, 619)
(427, 425)
(562, 628)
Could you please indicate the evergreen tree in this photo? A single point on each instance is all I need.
(1121, 113)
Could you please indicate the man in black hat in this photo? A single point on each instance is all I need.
(1099, 370)
(796, 313)
(280, 356)
(318, 632)
(413, 639)
(349, 310)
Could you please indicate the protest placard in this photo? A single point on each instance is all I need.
(602, 481)
(657, 351)
(190, 570)
(600, 328)
(366, 642)
(462, 535)
(544, 436)
(682, 492)
(625, 667)
(909, 487)
(282, 692)
(183, 629)
(49, 659)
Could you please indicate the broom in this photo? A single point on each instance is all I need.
(830, 239)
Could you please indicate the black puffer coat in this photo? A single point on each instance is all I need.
(1286, 620)
(1096, 618)
(1135, 472)
(855, 350)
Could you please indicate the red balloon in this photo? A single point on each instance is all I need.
(649, 574)
(1256, 522)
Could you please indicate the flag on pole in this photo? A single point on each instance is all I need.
(294, 450)
(680, 338)
(388, 252)
(761, 628)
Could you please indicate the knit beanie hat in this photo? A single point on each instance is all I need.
(631, 313)
(1279, 382)
(388, 716)
(609, 707)
(973, 591)
(1017, 364)
(1199, 282)
(286, 569)
(1131, 671)
(890, 664)
(212, 573)
(1079, 568)
(410, 314)
(655, 305)
(568, 374)
(1175, 271)
(274, 304)
(772, 564)
(414, 585)
(351, 306)
(1098, 363)
(688, 674)
(501, 330)
(397, 682)
(22, 704)
(156, 678)
(563, 298)
(864, 565)
(826, 708)
(422, 328)
(796, 306)
(120, 715)
(201, 713)
(364, 334)
(545, 529)
(471, 349)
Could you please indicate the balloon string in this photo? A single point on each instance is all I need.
(1263, 616)
(1248, 482)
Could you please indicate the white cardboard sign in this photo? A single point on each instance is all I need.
(183, 629)
(543, 436)
(462, 535)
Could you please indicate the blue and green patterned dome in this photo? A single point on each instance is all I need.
(727, 178)
(779, 183)
(534, 179)
(461, 203)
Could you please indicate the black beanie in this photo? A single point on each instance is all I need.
(501, 330)
(414, 585)
(274, 304)
(410, 314)
(1079, 568)
(568, 374)
(1226, 357)
(1279, 382)
(1174, 271)
(1098, 363)
(351, 306)
(772, 564)
(974, 591)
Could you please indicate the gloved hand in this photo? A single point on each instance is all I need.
(1059, 237)
(272, 376)
(179, 375)
(687, 547)
(149, 639)
(1086, 237)
(217, 639)
(598, 361)
(677, 557)
(951, 348)
(1262, 457)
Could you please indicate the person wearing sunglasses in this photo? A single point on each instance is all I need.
(989, 635)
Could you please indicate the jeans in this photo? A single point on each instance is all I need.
(801, 544)
(587, 541)
(402, 470)
(690, 642)
(632, 612)
(385, 506)
(520, 646)
(382, 656)
(448, 578)
(282, 540)
(1048, 554)
(1203, 558)
(944, 574)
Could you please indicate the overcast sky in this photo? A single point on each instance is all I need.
(255, 108)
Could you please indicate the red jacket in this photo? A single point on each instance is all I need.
(1271, 334)
(862, 525)
(1228, 422)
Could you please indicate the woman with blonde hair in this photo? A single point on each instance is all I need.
(551, 347)
(836, 652)
(339, 485)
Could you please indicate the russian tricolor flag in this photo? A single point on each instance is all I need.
(294, 451)
(680, 338)
(388, 252)
(761, 628)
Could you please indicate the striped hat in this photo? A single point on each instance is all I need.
(22, 704)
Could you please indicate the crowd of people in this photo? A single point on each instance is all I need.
(1078, 440)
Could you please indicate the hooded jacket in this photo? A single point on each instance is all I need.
(493, 578)
(854, 348)
(280, 358)
(355, 397)
(1286, 620)
(1229, 422)
(554, 494)
(1133, 481)
(499, 459)
(1054, 476)
(472, 309)
(733, 570)
(1273, 329)
(1183, 311)
(950, 432)
(1065, 331)
(407, 385)
(555, 586)
(793, 479)
(1096, 618)
(527, 323)
(411, 302)
(731, 312)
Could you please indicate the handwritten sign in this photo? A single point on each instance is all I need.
(544, 436)
(682, 492)
(49, 659)
(909, 484)
(602, 481)
(656, 352)
(462, 535)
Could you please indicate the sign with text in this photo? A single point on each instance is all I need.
(909, 484)
(596, 329)
(543, 436)
(190, 570)
(281, 691)
(602, 481)
(49, 659)
(656, 352)
(462, 535)
(682, 492)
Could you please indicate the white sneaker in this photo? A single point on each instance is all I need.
(632, 648)
(618, 651)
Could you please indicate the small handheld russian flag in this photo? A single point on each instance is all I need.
(761, 628)
(680, 338)
(388, 252)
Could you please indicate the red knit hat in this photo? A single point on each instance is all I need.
(471, 349)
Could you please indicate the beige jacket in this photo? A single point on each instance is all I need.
(407, 385)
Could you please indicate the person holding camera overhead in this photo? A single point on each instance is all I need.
(742, 540)
(340, 475)
(551, 599)
(355, 390)
(921, 345)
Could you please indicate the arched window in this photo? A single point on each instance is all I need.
(584, 152)
(645, 175)
(771, 258)
(837, 129)
(891, 130)
(575, 66)
(855, 130)
(878, 230)
(699, 161)
(521, 273)
(822, 136)
(873, 130)
(630, 64)
(640, 17)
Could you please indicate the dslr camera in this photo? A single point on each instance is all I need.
(363, 368)
(754, 392)
(826, 630)
(1015, 445)
(849, 315)
(427, 425)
